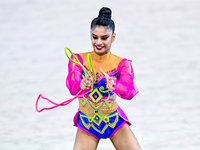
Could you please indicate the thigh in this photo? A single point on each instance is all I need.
(85, 141)
(124, 139)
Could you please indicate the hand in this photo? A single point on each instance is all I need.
(109, 80)
(86, 83)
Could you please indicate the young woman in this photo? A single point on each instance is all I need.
(99, 115)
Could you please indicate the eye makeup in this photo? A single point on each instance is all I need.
(104, 37)
(94, 37)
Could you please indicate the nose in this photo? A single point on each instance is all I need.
(99, 42)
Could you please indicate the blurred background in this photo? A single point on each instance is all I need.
(160, 37)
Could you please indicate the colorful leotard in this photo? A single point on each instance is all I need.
(99, 113)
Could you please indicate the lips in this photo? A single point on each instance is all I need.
(99, 47)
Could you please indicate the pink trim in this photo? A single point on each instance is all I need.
(76, 118)
(86, 131)
(123, 115)
(117, 129)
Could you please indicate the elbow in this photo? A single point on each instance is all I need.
(73, 87)
(129, 96)
(133, 93)
(72, 92)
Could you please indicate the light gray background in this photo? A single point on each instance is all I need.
(160, 37)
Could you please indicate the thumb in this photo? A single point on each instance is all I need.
(105, 74)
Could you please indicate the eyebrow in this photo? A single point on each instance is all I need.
(107, 35)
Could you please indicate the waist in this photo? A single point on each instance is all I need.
(103, 108)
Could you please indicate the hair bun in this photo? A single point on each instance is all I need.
(105, 12)
(104, 19)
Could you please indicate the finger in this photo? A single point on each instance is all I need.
(114, 83)
(111, 78)
(105, 74)
(86, 81)
(84, 87)
(111, 83)
(84, 84)
(111, 88)
(89, 82)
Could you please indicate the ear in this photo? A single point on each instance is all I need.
(113, 37)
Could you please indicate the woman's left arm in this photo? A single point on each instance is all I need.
(124, 86)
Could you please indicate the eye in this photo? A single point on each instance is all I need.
(104, 38)
(94, 37)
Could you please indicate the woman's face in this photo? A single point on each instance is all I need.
(102, 39)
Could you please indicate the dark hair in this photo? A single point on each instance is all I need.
(104, 19)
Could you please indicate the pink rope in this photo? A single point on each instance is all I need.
(56, 104)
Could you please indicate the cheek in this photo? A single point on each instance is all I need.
(93, 42)
(108, 43)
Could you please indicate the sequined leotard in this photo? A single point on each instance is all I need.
(99, 113)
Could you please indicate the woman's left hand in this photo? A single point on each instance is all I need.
(109, 80)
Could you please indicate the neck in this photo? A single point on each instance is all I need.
(101, 58)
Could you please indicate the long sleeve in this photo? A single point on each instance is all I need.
(73, 79)
(125, 87)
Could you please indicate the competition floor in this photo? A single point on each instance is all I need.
(160, 37)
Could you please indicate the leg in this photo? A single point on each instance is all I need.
(124, 139)
(85, 141)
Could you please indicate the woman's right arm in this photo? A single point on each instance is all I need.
(74, 76)
(73, 81)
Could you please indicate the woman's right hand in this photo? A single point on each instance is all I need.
(86, 83)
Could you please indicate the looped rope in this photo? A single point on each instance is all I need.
(87, 74)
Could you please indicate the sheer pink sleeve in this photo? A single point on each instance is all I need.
(125, 87)
(73, 80)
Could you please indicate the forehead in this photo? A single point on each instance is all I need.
(101, 30)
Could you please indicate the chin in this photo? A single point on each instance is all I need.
(99, 53)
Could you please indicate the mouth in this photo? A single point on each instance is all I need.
(99, 47)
